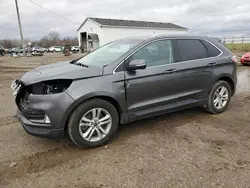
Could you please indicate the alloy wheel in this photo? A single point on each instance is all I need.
(95, 124)
(221, 97)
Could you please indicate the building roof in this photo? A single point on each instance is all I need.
(133, 23)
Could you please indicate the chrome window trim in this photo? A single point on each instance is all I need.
(169, 63)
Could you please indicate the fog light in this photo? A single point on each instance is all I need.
(46, 119)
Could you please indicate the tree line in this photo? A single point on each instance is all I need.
(52, 39)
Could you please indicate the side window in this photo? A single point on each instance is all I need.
(191, 49)
(212, 50)
(156, 53)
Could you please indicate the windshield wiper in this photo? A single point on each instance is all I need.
(83, 65)
(73, 61)
(79, 64)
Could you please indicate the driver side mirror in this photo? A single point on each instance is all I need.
(136, 64)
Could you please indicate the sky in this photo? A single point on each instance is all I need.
(207, 17)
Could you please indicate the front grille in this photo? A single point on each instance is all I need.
(22, 101)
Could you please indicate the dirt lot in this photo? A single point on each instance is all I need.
(190, 148)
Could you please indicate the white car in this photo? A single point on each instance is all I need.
(75, 48)
(55, 49)
(39, 49)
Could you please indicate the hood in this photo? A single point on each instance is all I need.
(61, 70)
(247, 54)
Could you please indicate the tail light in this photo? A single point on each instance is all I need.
(234, 59)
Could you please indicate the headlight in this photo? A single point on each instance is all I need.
(243, 56)
(50, 87)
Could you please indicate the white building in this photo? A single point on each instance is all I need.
(95, 32)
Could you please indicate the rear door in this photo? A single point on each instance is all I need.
(195, 68)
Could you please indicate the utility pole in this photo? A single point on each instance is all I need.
(20, 27)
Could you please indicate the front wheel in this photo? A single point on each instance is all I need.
(219, 97)
(93, 123)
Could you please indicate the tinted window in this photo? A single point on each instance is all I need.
(212, 51)
(156, 53)
(190, 49)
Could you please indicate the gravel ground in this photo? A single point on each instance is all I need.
(190, 148)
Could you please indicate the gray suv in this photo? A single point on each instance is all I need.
(124, 81)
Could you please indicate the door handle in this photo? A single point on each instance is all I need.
(211, 64)
(170, 71)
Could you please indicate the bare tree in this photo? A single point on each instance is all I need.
(7, 43)
(45, 42)
(52, 39)
(54, 36)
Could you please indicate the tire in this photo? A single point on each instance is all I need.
(54, 51)
(76, 133)
(210, 105)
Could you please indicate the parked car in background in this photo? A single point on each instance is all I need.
(124, 81)
(45, 49)
(75, 48)
(16, 50)
(39, 49)
(245, 59)
(2, 50)
(55, 49)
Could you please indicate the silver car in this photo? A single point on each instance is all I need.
(38, 49)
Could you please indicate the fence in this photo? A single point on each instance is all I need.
(236, 40)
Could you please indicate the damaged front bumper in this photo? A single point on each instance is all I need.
(43, 115)
(39, 130)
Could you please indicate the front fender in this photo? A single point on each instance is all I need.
(109, 86)
(80, 100)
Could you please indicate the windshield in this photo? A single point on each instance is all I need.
(109, 53)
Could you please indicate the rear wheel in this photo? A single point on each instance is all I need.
(93, 123)
(219, 97)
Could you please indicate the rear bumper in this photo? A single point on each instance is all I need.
(37, 130)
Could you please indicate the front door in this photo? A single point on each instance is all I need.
(150, 90)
